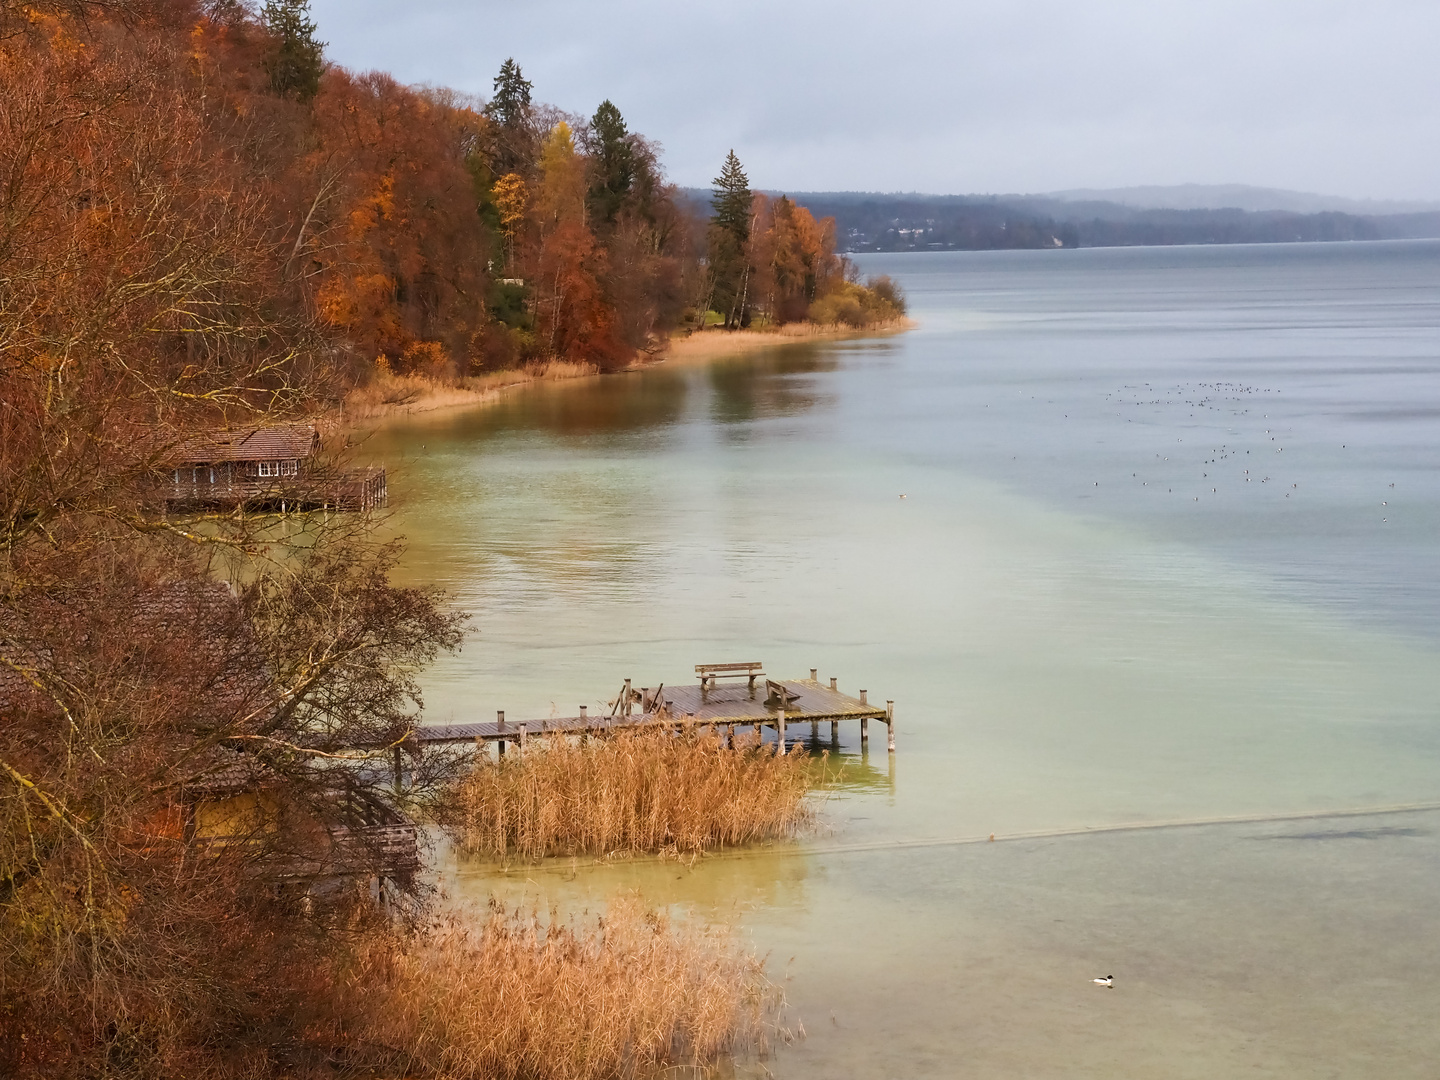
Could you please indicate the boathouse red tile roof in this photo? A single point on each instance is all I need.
(253, 444)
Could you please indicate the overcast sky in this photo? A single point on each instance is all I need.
(1335, 96)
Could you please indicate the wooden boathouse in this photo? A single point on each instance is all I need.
(706, 704)
(274, 468)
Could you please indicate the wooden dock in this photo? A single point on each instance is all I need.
(758, 704)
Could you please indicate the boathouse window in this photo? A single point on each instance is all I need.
(278, 468)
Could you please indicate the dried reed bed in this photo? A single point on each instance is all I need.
(634, 791)
(626, 994)
(388, 394)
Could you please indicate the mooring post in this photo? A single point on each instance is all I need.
(890, 725)
(862, 697)
(835, 732)
(524, 730)
(730, 736)
(814, 675)
(780, 733)
(500, 724)
(584, 715)
(644, 699)
(814, 730)
(629, 705)
(864, 731)
(834, 683)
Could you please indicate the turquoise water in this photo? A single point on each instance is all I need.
(1148, 568)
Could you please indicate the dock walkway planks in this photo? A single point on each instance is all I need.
(807, 700)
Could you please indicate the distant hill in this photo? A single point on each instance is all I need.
(1240, 197)
(872, 221)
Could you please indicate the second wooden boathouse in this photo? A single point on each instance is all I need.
(275, 468)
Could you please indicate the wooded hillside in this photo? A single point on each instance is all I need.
(392, 228)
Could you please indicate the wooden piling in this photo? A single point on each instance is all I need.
(780, 733)
(834, 683)
(862, 697)
(864, 731)
(834, 731)
(629, 705)
(500, 724)
(814, 674)
(890, 725)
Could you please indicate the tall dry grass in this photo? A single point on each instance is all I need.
(387, 394)
(626, 994)
(634, 791)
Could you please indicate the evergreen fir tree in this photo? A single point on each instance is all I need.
(514, 146)
(614, 162)
(731, 199)
(729, 236)
(297, 62)
(511, 103)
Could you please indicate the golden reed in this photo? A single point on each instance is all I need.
(626, 994)
(631, 792)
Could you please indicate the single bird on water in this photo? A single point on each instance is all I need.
(1108, 980)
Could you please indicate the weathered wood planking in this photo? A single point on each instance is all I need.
(807, 701)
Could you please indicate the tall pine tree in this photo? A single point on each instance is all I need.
(730, 243)
(511, 103)
(614, 162)
(515, 142)
(297, 60)
(731, 199)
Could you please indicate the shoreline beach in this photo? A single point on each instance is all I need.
(397, 396)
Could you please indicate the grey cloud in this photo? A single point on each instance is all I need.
(984, 96)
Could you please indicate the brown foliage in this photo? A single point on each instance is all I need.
(141, 301)
(794, 258)
(392, 250)
(134, 268)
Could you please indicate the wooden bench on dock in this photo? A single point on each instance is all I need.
(779, 696)
(710, 672)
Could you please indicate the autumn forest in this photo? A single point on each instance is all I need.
(414, 230)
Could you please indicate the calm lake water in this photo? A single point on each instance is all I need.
(1168, 551)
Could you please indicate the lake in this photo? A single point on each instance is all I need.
(1145, 546)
